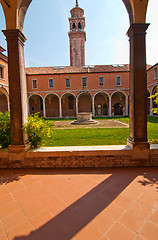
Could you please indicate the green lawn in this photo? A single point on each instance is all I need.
(98, 136)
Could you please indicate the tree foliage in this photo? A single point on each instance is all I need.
(5, 130)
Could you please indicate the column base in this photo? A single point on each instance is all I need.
(138, 145)
(18, 148)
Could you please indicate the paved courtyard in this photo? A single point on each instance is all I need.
(88, 204)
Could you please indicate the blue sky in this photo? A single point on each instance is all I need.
(46, 29)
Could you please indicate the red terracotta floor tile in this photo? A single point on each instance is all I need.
(88, 232)
(52, 230)
(1, 229)
(24, 231)
(120, 232)
(123, 201)
(8, 209)
(102, 223)
(140, 209)
(3, 237)
(33, 209)
(138, 238)
(149, 231)
(15, 186)
(5, 199)
(154, 217)
(3, 191)
(14, 220)
(114, 211)
(41, 219)
(58, 207)
(132, 221)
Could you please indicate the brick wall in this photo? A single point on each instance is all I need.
(82, 159)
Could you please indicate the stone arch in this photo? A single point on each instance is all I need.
(36, 104)
(4, 100)
(51, 105)
(118, 102)
(84, 102)
(101, 98)
(68, 102)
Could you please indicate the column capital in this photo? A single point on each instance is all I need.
(14, 34)
(137, 28)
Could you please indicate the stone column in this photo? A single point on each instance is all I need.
(17, 88)
(60, 108)
(138, 87)
(76, 106)
(151, 106)
(44, 108)
(110, 106)
(93, 112)
(126, 111)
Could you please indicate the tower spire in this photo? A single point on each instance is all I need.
(77, 3)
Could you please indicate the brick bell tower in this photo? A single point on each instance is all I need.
(77, 36)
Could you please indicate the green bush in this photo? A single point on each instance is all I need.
(155, 100)
(37, 129)
(5, 130)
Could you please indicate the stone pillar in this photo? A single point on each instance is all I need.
(60, 108)
(109, 105)
(138, 87)
(44, 108)
(76, 106)
(126, 111)
(151, 106)
(17, 88)
(93, 112)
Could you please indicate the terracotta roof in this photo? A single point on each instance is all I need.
(71, 69)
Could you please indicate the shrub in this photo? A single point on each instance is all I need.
(5, 130)
(37, 129)
(155, 97)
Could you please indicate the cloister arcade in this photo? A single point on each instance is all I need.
(68, 105)
(15, 12)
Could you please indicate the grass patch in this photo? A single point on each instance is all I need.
(99, 136)
(87, 137)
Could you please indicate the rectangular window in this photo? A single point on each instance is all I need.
(51, 84)
(34, 83)
(101, 81)
(68, 82)
(1, 72)
(118, 81)
(84, 82)
(155, 73)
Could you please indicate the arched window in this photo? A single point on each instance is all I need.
(73, 25)
(79, 25)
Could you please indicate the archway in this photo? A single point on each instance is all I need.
(52, 105)
(85, 102)
(3, 102)
(101, 99)
(118, 101)
(36, 105)
(68, 102)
